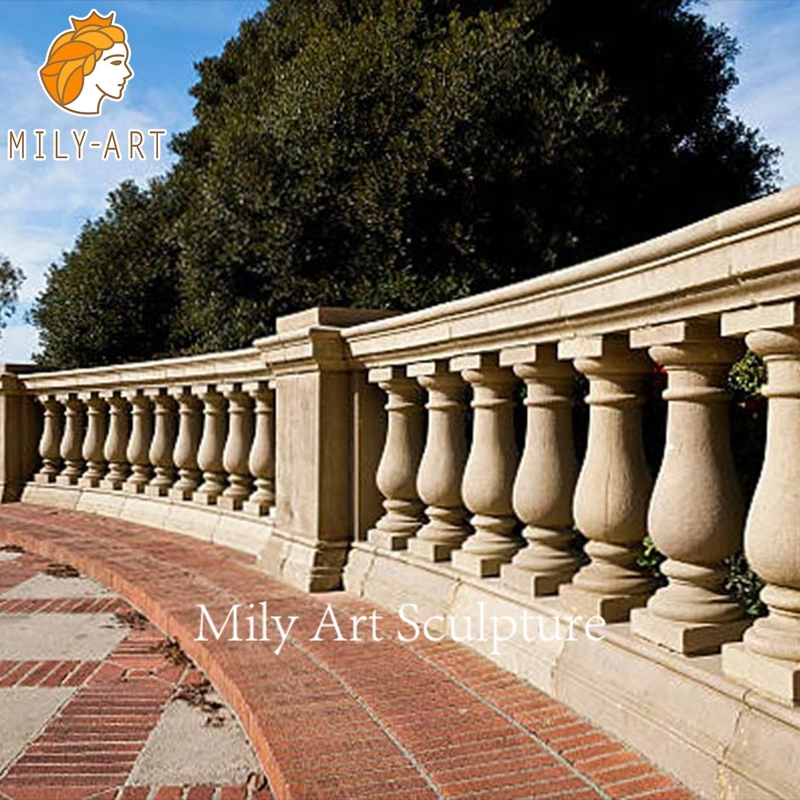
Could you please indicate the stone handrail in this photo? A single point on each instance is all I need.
(344, 434)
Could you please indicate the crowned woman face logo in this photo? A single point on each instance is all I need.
(87, 64)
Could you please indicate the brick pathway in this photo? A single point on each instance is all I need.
(329, 719)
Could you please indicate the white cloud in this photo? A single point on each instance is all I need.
(44, 203)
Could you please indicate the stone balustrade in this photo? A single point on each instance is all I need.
(429, 457)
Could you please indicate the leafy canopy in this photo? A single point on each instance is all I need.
(402, 153)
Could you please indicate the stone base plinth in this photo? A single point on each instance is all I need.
(431, 551)
(771, 676)
(308, 564)
(133, 488)
(387, 539)
(531, 584)
(612, 608)
(691, 639)
(44, 480)
(479, 565)
(66, 480)
(179, 494)
(113, 484)
(89, 483)
(230, 503)
(256, 508)
(156, 491)
(204, 498)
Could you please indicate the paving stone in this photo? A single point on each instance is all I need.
(23, 713)
(26, 637)
(48, 586)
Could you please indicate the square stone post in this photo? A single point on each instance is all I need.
(316, 487)
(20, 429)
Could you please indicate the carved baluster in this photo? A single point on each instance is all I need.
(614, 484)
(116, 445)
(442, 467)
(138, 452)
(262, 453)
(402, 450)
(212, 444)
(162, 444)
(236, 455)
(491, 467)
(72, 441)
(769, 657)
(190, 427)
(545, 481)
(50, 443)
(96, 429)
(696, 512)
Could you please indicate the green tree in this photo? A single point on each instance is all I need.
(11, 278)
(405, 152)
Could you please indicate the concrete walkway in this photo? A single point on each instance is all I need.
(341, 718)
(95, 702)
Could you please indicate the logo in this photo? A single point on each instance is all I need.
(87, 64)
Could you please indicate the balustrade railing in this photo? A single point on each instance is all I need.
(400, 433)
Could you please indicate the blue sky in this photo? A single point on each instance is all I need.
(43, 204)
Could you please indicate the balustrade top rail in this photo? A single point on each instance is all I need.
(741, 257)
(233, 365)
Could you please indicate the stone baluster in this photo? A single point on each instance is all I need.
(696, 511)
(491, 467)
(162, 444)
(93, 444)
(397, 472)
(614, 484)
(50, 443)
(262, 453)
(116, 445)
(212, 444)
(548, 471)
(190, 427)
(72, 440)
(236, 455)
(441, 469)
(768, 659)
(138, 451)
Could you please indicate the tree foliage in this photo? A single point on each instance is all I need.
(11, 278)
(405, 152)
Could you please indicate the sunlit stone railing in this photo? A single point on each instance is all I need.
(440, 443)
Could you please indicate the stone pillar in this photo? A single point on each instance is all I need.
(614, 484)
(138, 452)
(262, 454)
(162, 444)
(190, 426)
(93, 444)
(442, 467)
(50, 443)
(116, 445)
(547, 474)
(20, 432)
(72, 440)
(491, 467)
(236, 456)
(397, 472)
(212, 444)
(769, 657)
(696, 512)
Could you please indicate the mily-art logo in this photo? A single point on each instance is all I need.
(87, 64)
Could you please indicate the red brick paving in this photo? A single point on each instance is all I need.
(345, 720)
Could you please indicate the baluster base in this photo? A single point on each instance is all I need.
(389, 540)
(688, 638)
(89, 482)
(433, 551)
(612, 608)
(228, 503)
(259, 508)
(45, 478)
(774, 677)
(533, 584)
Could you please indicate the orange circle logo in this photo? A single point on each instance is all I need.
(87, 64)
